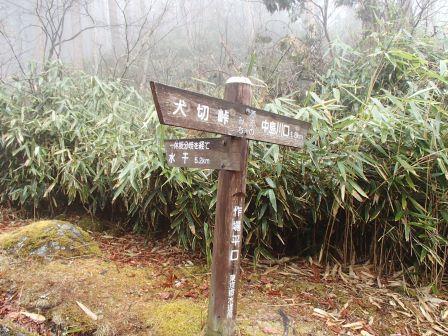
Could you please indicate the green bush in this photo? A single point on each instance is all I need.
(370, 185)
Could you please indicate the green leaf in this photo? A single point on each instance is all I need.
(341, 167)
(407, 230)
(407, 166)
(337, 94)
(358, 188)
(270, 182)
(443, 65)
(272, 199)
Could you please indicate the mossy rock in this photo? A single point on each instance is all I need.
(178, 318)
(49, 239)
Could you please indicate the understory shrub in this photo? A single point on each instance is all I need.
(370, 184)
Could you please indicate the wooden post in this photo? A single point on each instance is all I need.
(228, 228)
(234, 118)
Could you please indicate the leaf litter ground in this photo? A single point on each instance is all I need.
(155, 288)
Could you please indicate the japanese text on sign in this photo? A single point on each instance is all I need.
(177, 107)
(246, 125)
(237, 217)
(192, 145)
(205, 153)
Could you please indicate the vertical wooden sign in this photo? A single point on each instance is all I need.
(238, 122)
(228, 228)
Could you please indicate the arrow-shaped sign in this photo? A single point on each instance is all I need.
(213, 153)
(177, 107)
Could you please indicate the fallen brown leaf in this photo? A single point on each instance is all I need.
(165, 295)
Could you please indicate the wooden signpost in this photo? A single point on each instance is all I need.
(237, 122)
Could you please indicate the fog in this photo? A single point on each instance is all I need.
(175, 41)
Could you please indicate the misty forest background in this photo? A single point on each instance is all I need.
(78, 128)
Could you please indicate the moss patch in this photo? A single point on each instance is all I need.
(9, 329)
(52, 289)
(179, 318)
(70, 319)
(91, 224)
(48, 239)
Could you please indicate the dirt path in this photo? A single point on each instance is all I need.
(157, 289)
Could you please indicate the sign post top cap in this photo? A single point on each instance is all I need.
(242, 80)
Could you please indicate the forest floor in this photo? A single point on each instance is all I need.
(154, 288)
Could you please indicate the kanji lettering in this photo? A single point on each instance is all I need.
(203, 112)
(180, 107)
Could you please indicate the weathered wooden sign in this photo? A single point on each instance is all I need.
(177, 107)
(213, 153)
(238, 122)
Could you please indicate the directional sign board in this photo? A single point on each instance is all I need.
(238, 123)
(214, 153)
(177, 107)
